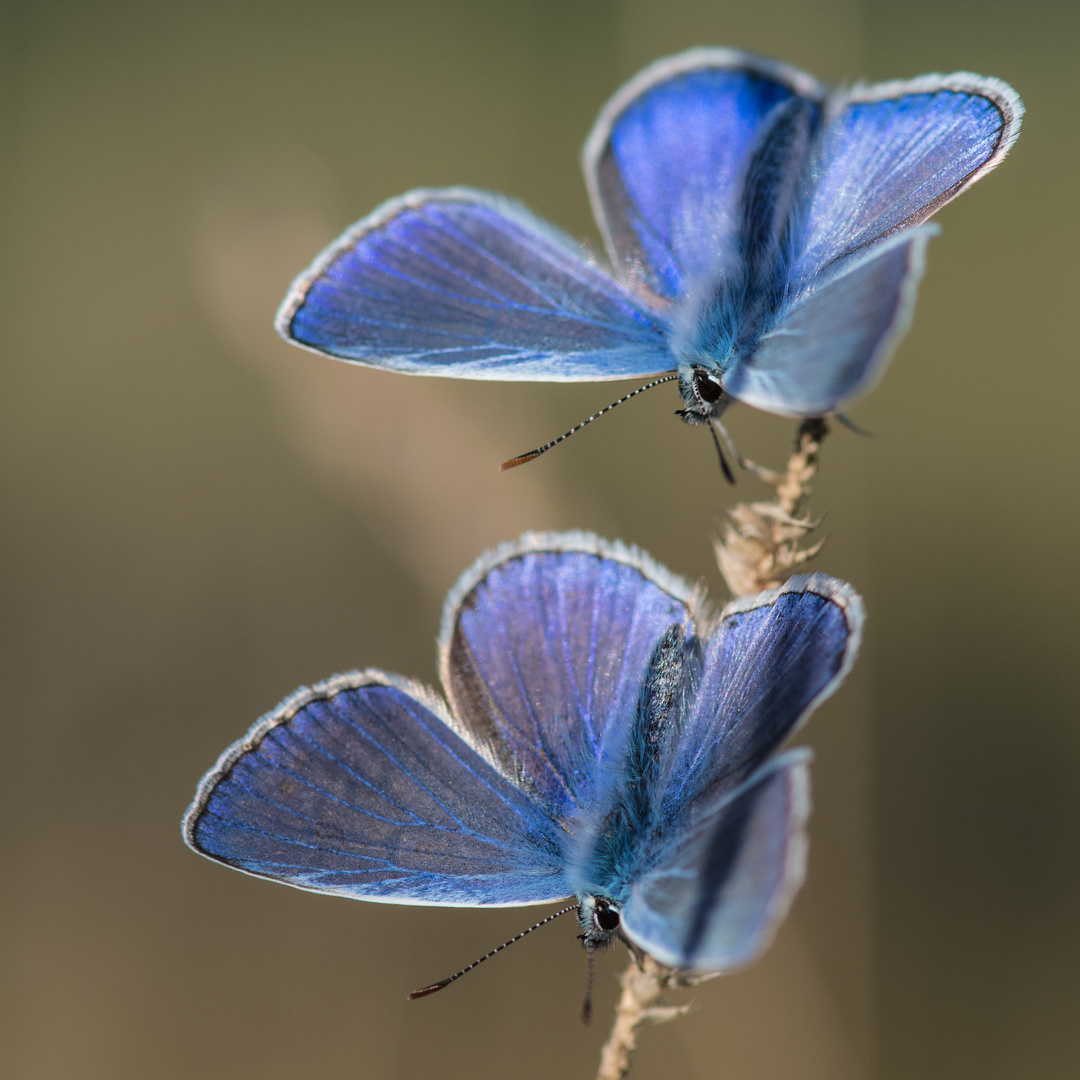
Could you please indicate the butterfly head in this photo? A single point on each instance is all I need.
(703, 393)
(600, 921)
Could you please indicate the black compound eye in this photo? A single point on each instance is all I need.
(708, 389)
(607, 918)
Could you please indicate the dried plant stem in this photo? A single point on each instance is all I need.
(758, 549)
(642, 984)
(759, 543)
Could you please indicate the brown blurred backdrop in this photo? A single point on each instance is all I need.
(197, 518)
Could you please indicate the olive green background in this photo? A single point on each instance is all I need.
(197, 518)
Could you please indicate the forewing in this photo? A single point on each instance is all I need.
(460, 283)
(834, 341)
(545, 646)
(360, 787)
(667, 159)
(772, 659)
(719, 890)
(893, 154)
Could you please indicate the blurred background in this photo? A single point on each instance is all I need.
(197, 518)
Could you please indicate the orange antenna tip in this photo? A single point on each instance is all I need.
(514, 462)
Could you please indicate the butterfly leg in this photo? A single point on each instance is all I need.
(725, 467)
(762, 473)
(852, 426)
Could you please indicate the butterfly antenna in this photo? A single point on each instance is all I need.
(476, 963)
(586, 1008)
(533, 454)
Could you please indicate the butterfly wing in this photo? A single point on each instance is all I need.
(893, 154)
(772, 659)
(834, 341)
(667, 159)
(360, 787)
(718, 891)
(732, 850)
(458, 282)
(544, 643)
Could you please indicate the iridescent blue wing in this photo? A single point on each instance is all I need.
(733, 849)
(360, 787)
(458, 282)
(891, 155)
(833, 341)
(667, 159)
(768, 664)
(544, 644)
(719, 890)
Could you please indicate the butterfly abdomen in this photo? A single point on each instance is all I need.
(623, 837)
(724, 315)
(771, 186)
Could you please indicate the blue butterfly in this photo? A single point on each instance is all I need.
(602, 739)
(767, 238)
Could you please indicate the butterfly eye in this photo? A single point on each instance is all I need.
(708, 389)
(607, 918)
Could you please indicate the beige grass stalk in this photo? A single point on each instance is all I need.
(759, 548)
(759, 543)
